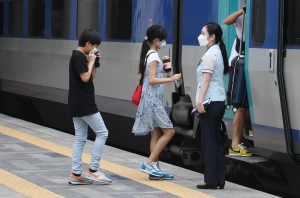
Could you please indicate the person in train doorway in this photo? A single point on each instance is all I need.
(151, 116)
(212, 66)
(237, 148)
(84, 62)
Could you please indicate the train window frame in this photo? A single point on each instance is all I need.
(116, 19)
(1, 18)
(15, 17)
(291, 18)
(85, 19)
(259, 20)
(60, 25)
(36, 19)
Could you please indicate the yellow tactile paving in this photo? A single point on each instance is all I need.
(25, 187)
(132, 174)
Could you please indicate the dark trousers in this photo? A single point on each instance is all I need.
(211, 143)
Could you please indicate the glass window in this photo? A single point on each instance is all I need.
(258, 22)
(15, 18)
(1, 17)
(118, 19)
(36, 18)
(60, 18)
(291, 22)
(87, 15)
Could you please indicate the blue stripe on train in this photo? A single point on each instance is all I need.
(274, 133)
(196, 14)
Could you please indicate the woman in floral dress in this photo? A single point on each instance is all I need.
(151, 115)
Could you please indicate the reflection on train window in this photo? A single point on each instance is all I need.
(259, 22)
(15, 18)
(1, 17)
(87, 15)
(118, 19)
(36, 18)
(291, 22)
(60, 18)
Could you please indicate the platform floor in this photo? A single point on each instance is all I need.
(35, 161)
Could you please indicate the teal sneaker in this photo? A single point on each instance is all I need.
(153, 177)
(167, 176)
(152, 169)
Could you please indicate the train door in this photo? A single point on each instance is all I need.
(265, 80)
(291, 45)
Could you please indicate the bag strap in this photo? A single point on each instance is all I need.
(142, 77)
(240, 50)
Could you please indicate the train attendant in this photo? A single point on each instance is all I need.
(151, 115)
(82, 107)
(210, 71)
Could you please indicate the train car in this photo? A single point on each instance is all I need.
(38, 36)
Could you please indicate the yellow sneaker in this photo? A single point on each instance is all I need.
(240, 150)
(234, 151)
(250, 133)
(243, 151)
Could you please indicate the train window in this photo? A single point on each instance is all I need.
(60, 18)
(258, 22)
(15, 18)
(291, 22)
(118, 19)
(36, 18)
(87, 15)
(1, 17)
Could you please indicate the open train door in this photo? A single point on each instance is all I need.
(267, 88)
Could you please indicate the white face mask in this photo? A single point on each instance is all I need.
(162, 45)
(202, 40)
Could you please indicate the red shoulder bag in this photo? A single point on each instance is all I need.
(137, 94)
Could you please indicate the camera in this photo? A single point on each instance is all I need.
(95, 51)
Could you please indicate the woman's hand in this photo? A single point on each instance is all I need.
(176, 77)
(200, 108)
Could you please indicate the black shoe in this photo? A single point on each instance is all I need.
(207, 186)
(221, 185)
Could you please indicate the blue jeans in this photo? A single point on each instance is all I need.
(81, 124)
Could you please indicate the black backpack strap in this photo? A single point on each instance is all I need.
(238, 44)
(142, 77)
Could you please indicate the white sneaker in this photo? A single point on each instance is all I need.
(97, 177)
(78, 180)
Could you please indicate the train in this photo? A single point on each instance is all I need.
(37, 38)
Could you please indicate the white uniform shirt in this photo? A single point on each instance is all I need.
(238, 27)
(212, 62)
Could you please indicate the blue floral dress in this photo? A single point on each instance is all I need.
(151, 111)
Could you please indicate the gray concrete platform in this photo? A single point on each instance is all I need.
(50, 170)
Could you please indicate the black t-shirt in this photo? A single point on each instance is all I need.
(81, 100)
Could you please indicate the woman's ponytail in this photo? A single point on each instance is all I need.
(144, 50)
(224, 55)
(153, 32)
(214, 28)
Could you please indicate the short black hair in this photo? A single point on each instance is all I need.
(89, 35)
